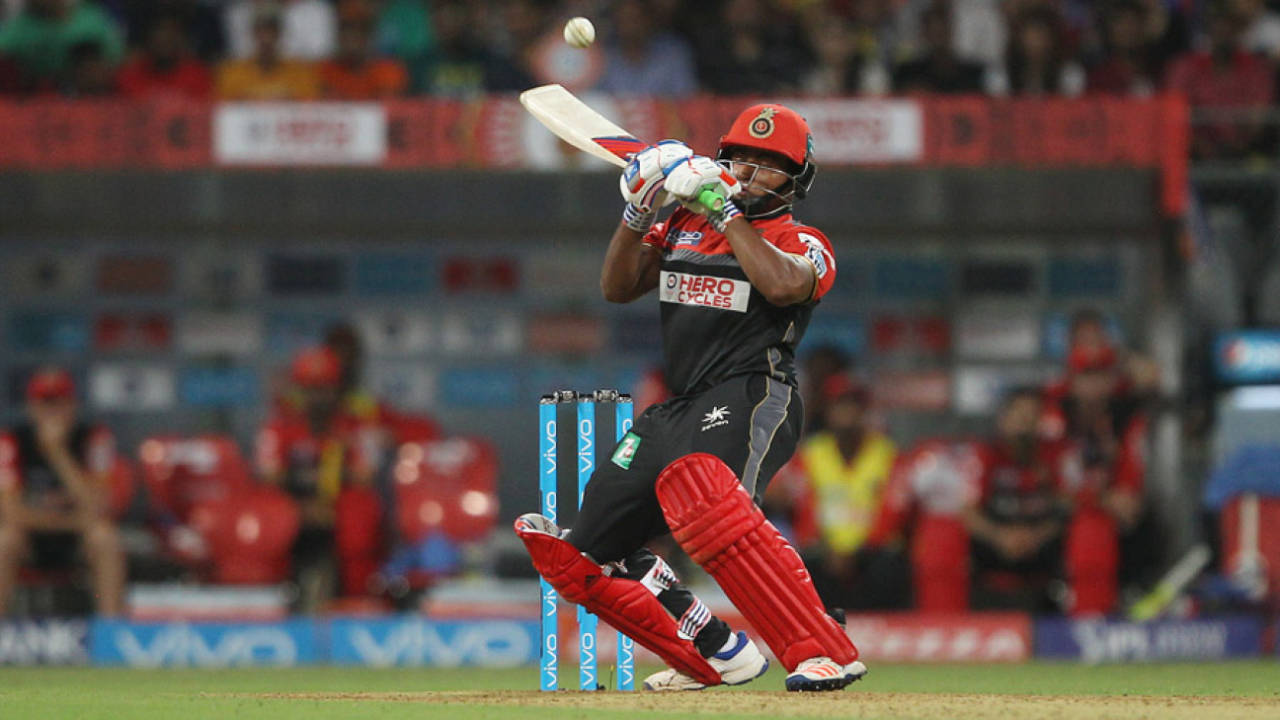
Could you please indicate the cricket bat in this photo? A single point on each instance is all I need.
(573, 121)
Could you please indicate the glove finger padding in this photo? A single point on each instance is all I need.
(686, 181)
(642, 180)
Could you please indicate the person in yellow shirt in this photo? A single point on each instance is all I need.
(832, 493)
(266, 75)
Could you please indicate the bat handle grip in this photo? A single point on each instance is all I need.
(711, 200)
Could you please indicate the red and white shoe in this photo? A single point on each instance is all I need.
(738, 665)
(823, 673)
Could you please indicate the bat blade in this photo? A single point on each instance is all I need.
(576, 123)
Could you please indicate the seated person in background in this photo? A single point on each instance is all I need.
(832, 491)
(1088, 333)
(53, 493)
(327, 455)
(939, 69)
(1015, 521)
(267, 75)
(355, 73)
(164, 66)
(1106, 427)
(344, 342)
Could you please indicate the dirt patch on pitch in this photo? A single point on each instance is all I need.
(849, 704)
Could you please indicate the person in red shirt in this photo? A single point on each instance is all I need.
(1225, 77)
(164, 67)
(54, 473)
(326, 454)
(1018, 527)
(355, 74)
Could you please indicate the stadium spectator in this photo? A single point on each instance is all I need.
(199, 21)
(831, 494)
(938, 68)
(12, 79)
(327, 453)
(41, 37)
(1261, 27)
(1225, 77)
(1089, 332)
(751, 50)
(405, 30)
(1106, 422)
(979, 29)
(344, 342)
(1022, 527)
(1129, 65)
(267, 75)
(54, 471)
(89, 74)
(821, 363)
(645, 59)
(355, 74)
(848, 57)
(164, 67)
(462, 64)
(308, 28)
(1037, 61)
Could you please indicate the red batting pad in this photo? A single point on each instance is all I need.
(715, 521)
(625, 604)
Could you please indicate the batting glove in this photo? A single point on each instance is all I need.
(642, 180)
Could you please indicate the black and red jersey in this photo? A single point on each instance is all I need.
(715, 325)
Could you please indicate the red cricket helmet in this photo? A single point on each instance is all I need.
(776, 129)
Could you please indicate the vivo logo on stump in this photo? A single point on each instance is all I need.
(704, 291)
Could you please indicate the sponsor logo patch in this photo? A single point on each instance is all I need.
(815, 253)
(704, 291)
(688, 237)
(626, 451)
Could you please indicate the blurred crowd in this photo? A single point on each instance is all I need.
(345, 498)
(1220, 53)
(1045, 512)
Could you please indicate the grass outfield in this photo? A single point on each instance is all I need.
(1006, 692)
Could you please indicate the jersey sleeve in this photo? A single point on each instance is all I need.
(810, 244)
(657, 236)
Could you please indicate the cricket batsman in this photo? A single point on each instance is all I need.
(737, 284)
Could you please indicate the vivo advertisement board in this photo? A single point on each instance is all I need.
(152, 645)
(1104, 641)
(408, 640)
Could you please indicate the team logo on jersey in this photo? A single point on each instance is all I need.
(762, 125)
(688, 237)
(704, 291)
(815, 253)
(718, 416)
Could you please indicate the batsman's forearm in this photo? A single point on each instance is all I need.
(630, 267)
(782, 278)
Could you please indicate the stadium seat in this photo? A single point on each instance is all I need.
(249, 535)
(446, 485)
(182, 472)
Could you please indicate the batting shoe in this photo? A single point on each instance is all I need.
(738, 665)
(823, 673)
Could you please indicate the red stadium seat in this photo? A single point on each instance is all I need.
(250, 534)
(182, 472)
(446, 485)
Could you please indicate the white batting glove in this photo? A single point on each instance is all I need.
(642, 180)
(700, 181)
